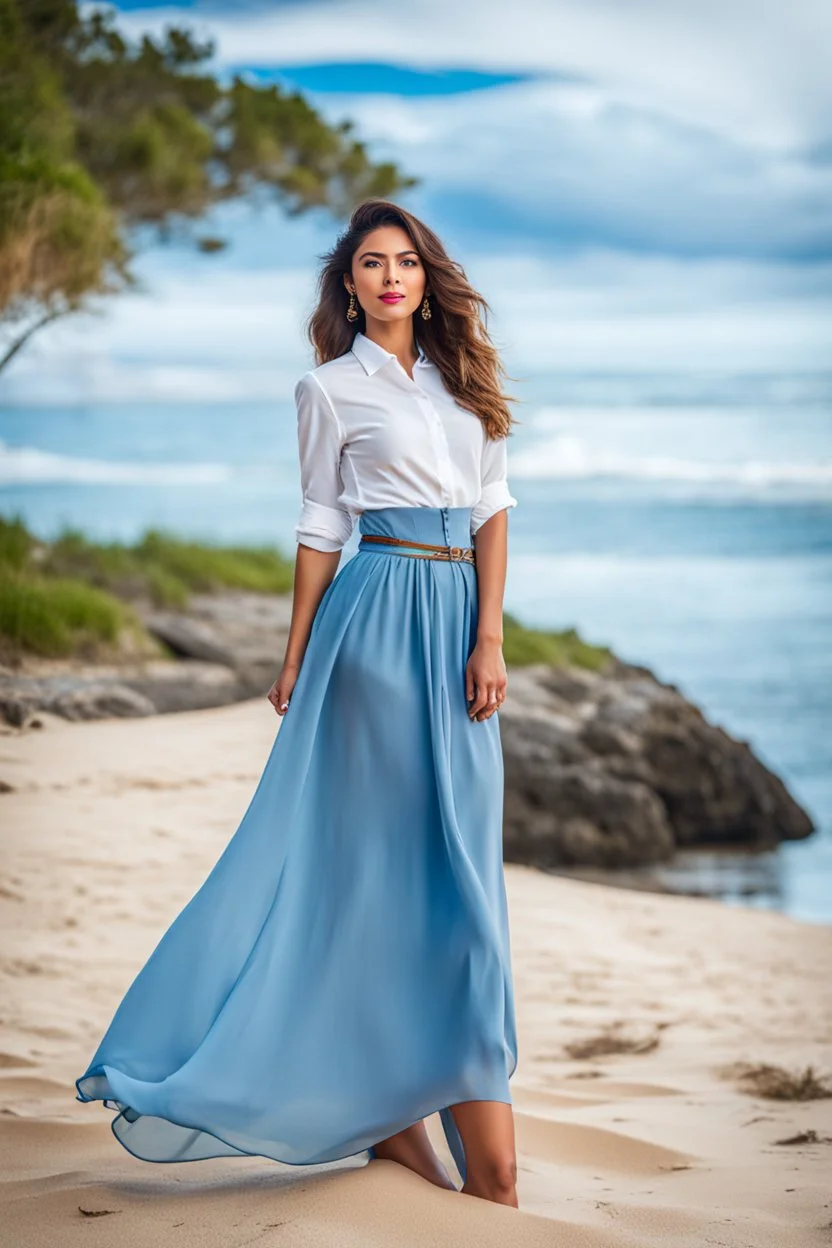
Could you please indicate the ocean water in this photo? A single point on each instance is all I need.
(686, 521)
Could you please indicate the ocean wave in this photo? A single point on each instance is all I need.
(568, 458)
(25, 465)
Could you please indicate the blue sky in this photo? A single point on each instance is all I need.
(630, 185)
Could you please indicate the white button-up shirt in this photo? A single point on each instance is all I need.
(370, 436)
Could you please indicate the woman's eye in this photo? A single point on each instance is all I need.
(371, 263)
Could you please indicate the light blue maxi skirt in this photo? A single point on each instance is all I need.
(344, 970)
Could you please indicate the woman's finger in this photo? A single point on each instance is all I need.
(479, 701)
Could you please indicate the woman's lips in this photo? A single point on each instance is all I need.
(391, 298)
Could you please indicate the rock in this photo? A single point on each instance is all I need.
(188, 638)
(15, 709)
(231, 646)
(194, 686)
(104, 692)
(101, 701)
(243, 631)
(582, 814)
(74, 700)
(713, 786)
(618, 769)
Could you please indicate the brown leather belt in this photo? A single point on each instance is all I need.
(422, 550)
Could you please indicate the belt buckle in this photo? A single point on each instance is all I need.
(455, 552)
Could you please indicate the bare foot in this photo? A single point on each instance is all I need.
(413, 1149)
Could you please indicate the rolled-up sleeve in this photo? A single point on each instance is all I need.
(494, 492)
(322, 523)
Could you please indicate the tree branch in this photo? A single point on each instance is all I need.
(27, 334)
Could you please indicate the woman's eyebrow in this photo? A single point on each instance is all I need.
(409, 252)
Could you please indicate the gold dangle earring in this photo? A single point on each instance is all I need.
(425, 309)
(352, 310)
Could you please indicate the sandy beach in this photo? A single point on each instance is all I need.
(109, 829)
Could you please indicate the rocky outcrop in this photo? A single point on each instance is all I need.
(70, 697)
(246, 632)
(231, 644)
(603, 769)
(617, 769)
(123, 691)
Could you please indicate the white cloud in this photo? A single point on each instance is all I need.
(756, 70)
(608, 310)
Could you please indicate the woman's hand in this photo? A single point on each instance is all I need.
(485, 676)
(281, 690)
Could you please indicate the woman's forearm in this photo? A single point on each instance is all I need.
(491, 542)
(314, 570)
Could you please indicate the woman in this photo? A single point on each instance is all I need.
(344, 971)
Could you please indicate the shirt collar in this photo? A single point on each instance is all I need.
(371, 356)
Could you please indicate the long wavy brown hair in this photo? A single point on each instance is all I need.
(455, 338)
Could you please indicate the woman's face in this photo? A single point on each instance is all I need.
(384, 265)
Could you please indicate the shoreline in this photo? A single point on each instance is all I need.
(735, 874)
(116, 823)
(608, 768)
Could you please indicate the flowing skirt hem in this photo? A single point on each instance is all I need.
(127, 1117)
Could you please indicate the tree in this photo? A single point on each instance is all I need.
(99, 135)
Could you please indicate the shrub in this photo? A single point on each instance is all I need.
(522, 646)
(56, 617)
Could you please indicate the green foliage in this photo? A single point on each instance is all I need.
(99, 134)
(15, 546)
(152, 161)
(522, 646)
(54, 618)
(165, 569)
(59, 236)
(73, 595)
(202, 568)
(45, 615)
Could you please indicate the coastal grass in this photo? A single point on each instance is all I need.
(52, 616)
(167, 570)
(56, 617)
(64, 597)
(15, 545)
(523, 646)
